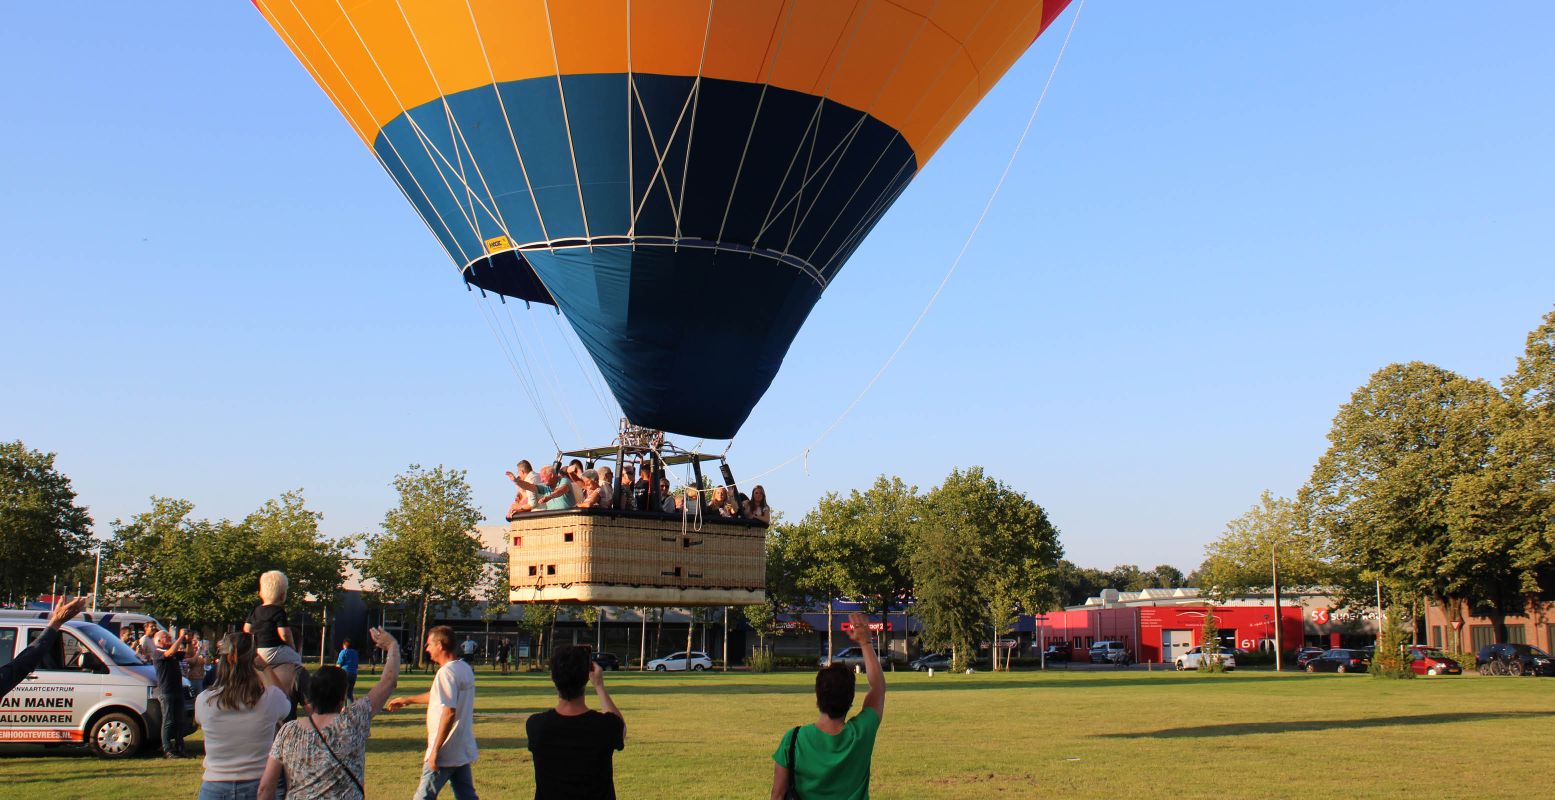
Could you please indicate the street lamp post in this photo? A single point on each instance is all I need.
(1041, 637)
(1279, 638)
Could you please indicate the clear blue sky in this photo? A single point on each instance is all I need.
(1228, 215)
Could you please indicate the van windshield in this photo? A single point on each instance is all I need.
(118, 652)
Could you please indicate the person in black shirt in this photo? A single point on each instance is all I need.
(573, 744)
(12, 672)
(166, 655)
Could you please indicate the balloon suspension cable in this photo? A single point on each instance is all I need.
(804, 454)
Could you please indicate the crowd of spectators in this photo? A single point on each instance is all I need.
(573, 486)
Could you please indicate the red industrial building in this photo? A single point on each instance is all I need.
(1157, 625)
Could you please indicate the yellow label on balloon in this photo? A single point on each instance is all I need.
(497, 243)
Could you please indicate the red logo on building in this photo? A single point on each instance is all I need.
(1320, 616)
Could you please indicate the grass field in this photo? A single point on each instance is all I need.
(1023, 734)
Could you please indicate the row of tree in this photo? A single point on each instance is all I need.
(970, 555)
(1436, 485)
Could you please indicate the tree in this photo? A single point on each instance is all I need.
(43, 533)
(761, 617)
(983, 546)
(1166, 576)
(428, 553)
(863, 542)
(1390, 659)
(1240, 561)
(1379, 497)
(287, 536)
(1078, 584)
(194, 571)
(1502, 516)
(205, 572)
(1209, 645)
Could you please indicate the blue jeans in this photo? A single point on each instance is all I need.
(229, 790)
(462, 778)
(172, 722)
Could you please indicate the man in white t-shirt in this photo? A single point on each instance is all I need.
(450, 706)
(469, 647)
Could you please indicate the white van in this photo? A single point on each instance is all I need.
(91, 689)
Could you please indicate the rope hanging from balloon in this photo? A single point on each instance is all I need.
(955, 264)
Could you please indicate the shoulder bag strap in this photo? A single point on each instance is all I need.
(793, 777)
(331, 751)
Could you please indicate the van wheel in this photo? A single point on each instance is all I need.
(114, 736)
(697, 667)
(1342, 669)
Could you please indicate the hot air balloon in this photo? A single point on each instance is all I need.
(619, 159)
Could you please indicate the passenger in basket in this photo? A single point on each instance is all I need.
(607, 487)
(830, 757)
(627, 501)
(574, 473)
(591, 490)
(722, 504)
(756, 508)
(641, 489)
(572, 743)
(555, 490)
(525, 499)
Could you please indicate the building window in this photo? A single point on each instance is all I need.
(1436, 636)
(1481, 635)
(1516, 634)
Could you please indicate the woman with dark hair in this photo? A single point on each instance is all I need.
(323, 755)
(239, 714)
(756, 507)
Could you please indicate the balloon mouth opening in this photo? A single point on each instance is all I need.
(508, 274)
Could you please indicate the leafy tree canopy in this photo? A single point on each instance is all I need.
(43, 532)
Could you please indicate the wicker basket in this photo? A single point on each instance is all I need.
(612, 558)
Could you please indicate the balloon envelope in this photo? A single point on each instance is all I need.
(682, 178)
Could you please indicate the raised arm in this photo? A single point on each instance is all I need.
(860, 635)
(27, 660)
(597, 678)
(379, 694)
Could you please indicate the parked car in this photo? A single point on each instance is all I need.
(1340, 660)
(677, 661)
(1306, 654)
(1109, 653)
(1059, 651)
(1431, 661)
(939, 661)
(848, 657)
(1193, 658)
(607, 661)
(89, 689)
(1513, 659)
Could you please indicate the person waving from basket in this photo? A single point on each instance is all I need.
(829, 759)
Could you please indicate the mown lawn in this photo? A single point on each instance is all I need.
(1023, 734)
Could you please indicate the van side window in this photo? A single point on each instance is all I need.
(7, 645)
(68, 653)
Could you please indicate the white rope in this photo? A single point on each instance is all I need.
(814, 125)
(965, 245)
(766, 83)
(502, 105)
(804, 454)
(923, 22)
(696, 101)
(561, 92)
